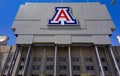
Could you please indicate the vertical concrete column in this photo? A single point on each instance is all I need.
(55, 61)
(99, 61)
(70, 66)
(17, 62)
(27, 60)
(4, 60)
(114, 60)
(12, 63)
(82, 59)
(43, 62)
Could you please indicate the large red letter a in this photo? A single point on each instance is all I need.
(62, 14)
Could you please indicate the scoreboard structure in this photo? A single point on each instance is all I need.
(63, 39)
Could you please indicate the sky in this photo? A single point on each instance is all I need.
(9, 9)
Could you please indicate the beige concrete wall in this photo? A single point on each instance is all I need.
(5, 53)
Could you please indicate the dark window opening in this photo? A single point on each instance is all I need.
(50, 59)
(23, 59)
(77, 75)
(62, 75)
(76, 68)
(19, 75)
(62, 59)
(62, 67)
(6, 67)
(36, 75)
(48, 75)
(88, 59)
(0, 59)
(36, 67)
(21, 67)
(117, 60)
(75, 59)
(89, 68)
(105, 68)
(37, 59)
(102, 59)
(9, 59)
(49, 67)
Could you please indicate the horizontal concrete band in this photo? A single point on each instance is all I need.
(63, 39)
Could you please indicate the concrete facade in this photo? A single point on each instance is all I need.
(6, 53)
(84, 61)
(95, 24)
(62, 50)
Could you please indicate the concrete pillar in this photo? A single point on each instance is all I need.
(99, 61)
(114, 60)
(5, 53)
(55, 61)
(12, 63)
(27, 61)
(17, 62)
(70, 66)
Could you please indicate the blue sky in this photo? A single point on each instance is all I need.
(9, 9)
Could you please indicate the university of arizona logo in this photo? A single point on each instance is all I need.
(63, 16)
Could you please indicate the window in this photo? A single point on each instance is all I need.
(62, 59)
(76, 68)
(62, 67)
(117, 60)
(19, 75)
(50, 59)
(75, 59)
(21, 67)
(88, 59)
(36, 67)
(40, 75)
(0, 59)
(102, 59)
(107, 75)
(23, 59)
(105, 68)
(86, 74)
(36, 75)
(77, 75)
(89, 68)
(37, 59)
(6, 67)
(9, 59)
(48, 75)
(62, 75)
(49, 67)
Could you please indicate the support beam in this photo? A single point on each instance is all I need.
(55, 61)
(70, 66)
(99, 61)
(114, 60)
(27, 61)
(12, 63)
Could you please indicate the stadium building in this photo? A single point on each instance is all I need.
(61, 39)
